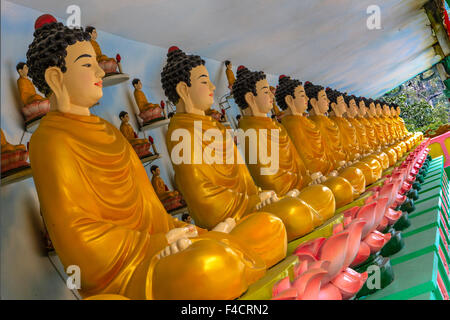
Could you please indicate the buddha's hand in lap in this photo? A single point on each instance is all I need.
(225, 226)
(316, 177)
(266, 197)
(179, 233)
(177, 246)
(293, 193)
(333, 173)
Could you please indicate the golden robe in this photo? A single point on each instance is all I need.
(308, 141)
(335, 150)
(291, 169)
(370, 133)
(28, 91)
(361, 136)
(291, 172)
(348, 137)
(379, 130)
(129, 133)
(98, 51)
(103, 215)
(219, 188)
(333, 145)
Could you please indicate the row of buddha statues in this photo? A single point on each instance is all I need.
(120, 234)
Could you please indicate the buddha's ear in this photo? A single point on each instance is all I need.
(55, 80)
(182, 90)
(289, 100)
(250, 99)
(314, 102)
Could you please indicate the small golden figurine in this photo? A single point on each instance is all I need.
(34, 105)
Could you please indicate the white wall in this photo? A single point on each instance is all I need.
(26, 272)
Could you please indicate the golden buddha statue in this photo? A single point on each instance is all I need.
(13, 156)
(318, 107)
(377, 124)
(141, 146)
(346, 129)
(99, 206)
(34, 105)
(290, 172)
(351, 114)
(308, 141)
(401, 122)
(109, 65)
(171, 200)
(230, 75)
(212, 176)
(148, 112)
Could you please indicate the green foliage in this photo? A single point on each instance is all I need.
(419, 115)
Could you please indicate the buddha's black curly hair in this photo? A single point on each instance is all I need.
(245, 82)
(49, 49)
(333, 94)
(312, 91)
(286, 87)
(178, 69)
(348, 98)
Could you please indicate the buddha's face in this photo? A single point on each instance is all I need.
(386, 110)
(264, 97)
(126, 118)
(362, 109)
(229, 66)
(83, 78)
(24, 71)
(341, 105)
(379, 110)
(201, 91)
(323, 101)
(393, 112)
(300, 100)
(352, 110)
(138, 85)
(156, 172)
(372, 109)
(398, 111)
(94, 35)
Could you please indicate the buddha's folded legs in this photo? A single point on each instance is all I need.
(297, 216)
(265, 234)
(216, 266)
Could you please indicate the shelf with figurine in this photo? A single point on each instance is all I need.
(112, 67)
(34, 106)
(142, 147)
(172, 201)
(14, 162)
(150, 115)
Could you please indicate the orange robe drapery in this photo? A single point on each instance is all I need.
(291, 172)
(361, 136)
(308, 141)
(348, 137)
(370, 133)
(27, 91)
(333, 145)
(103, 215)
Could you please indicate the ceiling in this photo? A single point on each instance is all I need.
(323, 41)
